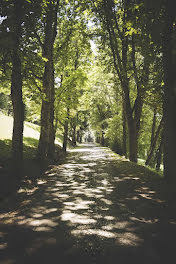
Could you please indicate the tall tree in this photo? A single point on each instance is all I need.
(46, 145)
(120, 22)
(16, 90)
(16, 31)
(169, 64)
(163, 25)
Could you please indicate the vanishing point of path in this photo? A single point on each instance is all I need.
(95, 208)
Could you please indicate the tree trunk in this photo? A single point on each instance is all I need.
(133, 122)
(133, 141)
(66, 130)
(74, 135)
(120, 59)
(153, 128)
(56, 112)
(152, 161)
(102, 138)
(154, 143)
(169, 106)
(51, 146)
(65, 136)
(56, 125)
(159, 153)
(47, 135)
(44, 132)
(78, 136)
(16, 94)
(46, 147)
(124, 130)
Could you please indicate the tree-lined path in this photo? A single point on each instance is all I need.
(94, 208)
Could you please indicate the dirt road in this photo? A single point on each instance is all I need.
(94, 208)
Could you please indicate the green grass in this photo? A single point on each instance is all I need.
(60, 139)
(30, 131)
(29, 148)
(6, 124)
(30, 139)
(141, 163)
(32, 167)
(33, 126)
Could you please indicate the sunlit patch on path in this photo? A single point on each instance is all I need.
(95, 208)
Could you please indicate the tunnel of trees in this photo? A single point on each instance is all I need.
(105, 65)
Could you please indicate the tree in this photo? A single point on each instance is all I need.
(119, 20)
(16, 31)
(73, 57)
(163, 34)
(154, 141)
(16, 91)
(169, 106)
(46, 147)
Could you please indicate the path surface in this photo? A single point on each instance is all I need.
(95, 208)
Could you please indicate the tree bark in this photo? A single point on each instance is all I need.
(56, 112)
(153, 128)
(46, 142)
(159, 152)
(154, 142)
(124, 130)
(46, 147)
(74, 135)
(51, 146)
(169, 106)
(66, 130)
(78, 135)
(16, 94)
(133, 141)
(102, 138)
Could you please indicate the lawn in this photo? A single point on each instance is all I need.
(30, 130)
(30, 140)
(6, 123)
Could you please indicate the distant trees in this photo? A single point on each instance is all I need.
(73, 55)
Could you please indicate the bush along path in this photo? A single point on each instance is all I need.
(95, 208)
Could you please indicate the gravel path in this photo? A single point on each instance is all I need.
(95, 208)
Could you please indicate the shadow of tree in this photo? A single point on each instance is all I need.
(92, 209)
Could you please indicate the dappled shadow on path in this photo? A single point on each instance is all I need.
(95, 208)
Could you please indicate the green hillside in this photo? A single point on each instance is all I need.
(31, 137)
